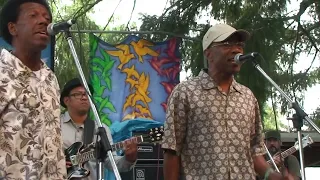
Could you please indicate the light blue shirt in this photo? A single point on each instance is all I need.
(72, 133)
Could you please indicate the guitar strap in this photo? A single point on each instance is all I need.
(88, 132)
(286, 164)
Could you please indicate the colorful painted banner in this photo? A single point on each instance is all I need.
(133, 79)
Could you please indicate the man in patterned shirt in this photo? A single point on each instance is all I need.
(213, 125)
(30, 133)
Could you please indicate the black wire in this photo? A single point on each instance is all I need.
(110, 18)
(80, 45)
(54, 2)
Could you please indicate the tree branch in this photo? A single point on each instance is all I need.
(303, 7)
(304, 75)
(134, 6)
(165, 12)
(309, 37)
(89, 6)
(292, 60)
(109, 20)
(274, 109)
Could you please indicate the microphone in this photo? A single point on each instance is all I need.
(240, 58)
(55, 28)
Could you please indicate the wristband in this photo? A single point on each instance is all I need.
(267, 173)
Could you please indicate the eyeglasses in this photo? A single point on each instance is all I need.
(229, 44)
(78, 95)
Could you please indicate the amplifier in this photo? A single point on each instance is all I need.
(144, 172)
(151, 152)
(148, 151)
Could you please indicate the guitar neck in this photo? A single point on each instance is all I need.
(286, 153)
(121, 145)
(86, 156)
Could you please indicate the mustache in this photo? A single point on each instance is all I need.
(273, 149)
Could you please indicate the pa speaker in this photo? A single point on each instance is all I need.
(144, 172)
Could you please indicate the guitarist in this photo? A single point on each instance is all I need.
(290, 164)
(73, 125)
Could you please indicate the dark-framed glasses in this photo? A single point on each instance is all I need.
(229, 44)
(78, 95)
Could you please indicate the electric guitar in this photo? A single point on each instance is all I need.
(306, 141)
(78, 155)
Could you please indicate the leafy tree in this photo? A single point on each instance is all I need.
(278, 35)
(271, 119)
(65, 67)
(315, 117)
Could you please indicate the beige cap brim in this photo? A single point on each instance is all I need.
(243, 34)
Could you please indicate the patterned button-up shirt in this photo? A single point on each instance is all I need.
(216, 134)
(30, 133)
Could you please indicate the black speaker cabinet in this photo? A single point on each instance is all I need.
(149, 151)
(144, 172)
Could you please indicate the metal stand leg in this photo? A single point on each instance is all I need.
(299, 112)
(104, 145)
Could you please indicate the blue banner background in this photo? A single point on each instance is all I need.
(47, 54)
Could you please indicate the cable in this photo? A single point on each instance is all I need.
(109, 20)
(134, 6)
(80, 45)
(54, 2)
(77, 14)
(158, 168)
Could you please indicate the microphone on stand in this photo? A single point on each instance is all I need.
(56, 28)
(240, 58)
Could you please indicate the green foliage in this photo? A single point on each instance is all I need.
(274, 34)
(101, 66)
(65, 68)
(315, 117)
(271, 119)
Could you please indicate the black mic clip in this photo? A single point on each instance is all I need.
(55, 28)
(240, 58)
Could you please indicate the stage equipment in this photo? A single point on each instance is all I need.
(297, 118)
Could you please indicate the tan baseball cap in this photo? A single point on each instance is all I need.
(220, 32)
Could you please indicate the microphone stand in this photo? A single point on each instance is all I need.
(299, 117)
(104, 144)
(271, 158)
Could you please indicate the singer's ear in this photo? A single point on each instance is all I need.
(206, 53)
(65, 100)
(12, 28)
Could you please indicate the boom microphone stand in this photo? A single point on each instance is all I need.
(298, 118)
(104, 145)
(271, 158)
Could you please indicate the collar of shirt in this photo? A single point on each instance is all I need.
(65, 117)
(208, 83)
(19, 69)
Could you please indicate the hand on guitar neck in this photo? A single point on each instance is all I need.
(131, 150)
(77, 155)
(278, 160)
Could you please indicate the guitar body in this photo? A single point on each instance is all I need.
(76, 170)
(78, 155)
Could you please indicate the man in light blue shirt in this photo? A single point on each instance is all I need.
(75, 100)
